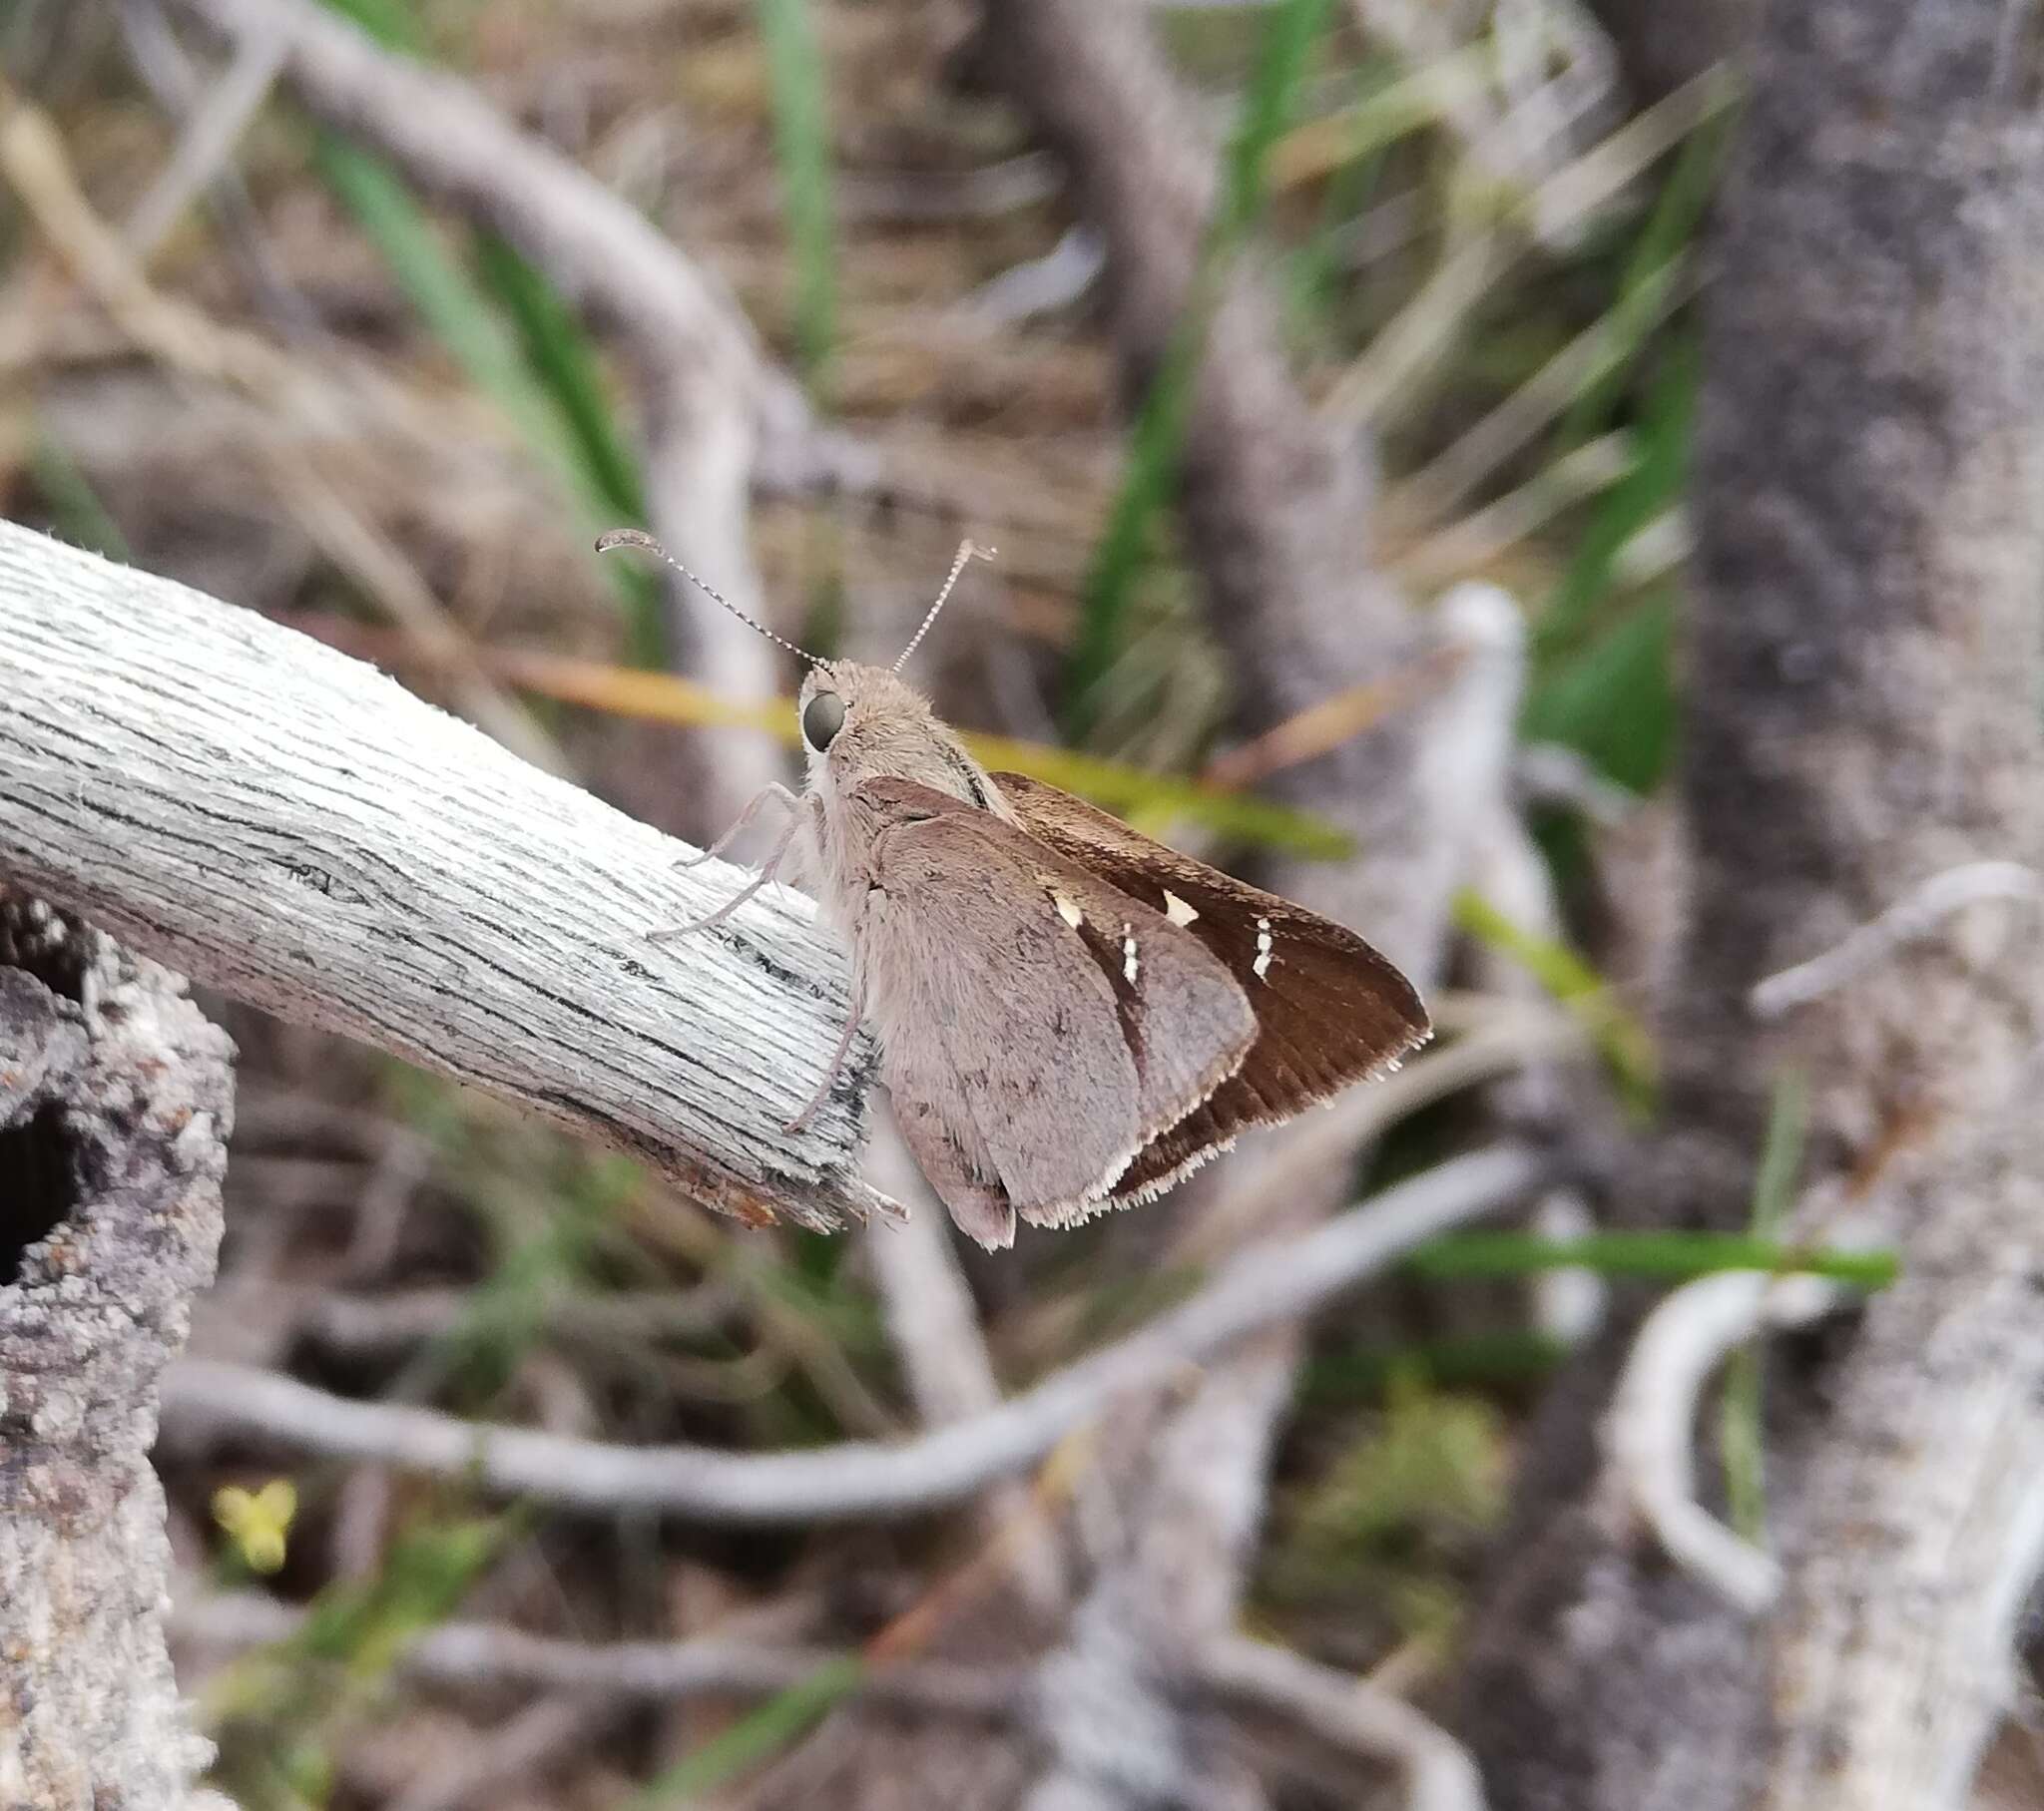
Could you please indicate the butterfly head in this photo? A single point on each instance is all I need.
(858, 722)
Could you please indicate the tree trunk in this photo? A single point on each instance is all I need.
(116, 1100)
(1862, 695)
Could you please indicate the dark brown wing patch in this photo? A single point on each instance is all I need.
(1186, 1020)
(1330, 1011)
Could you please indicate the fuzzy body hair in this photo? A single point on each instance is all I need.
(890, 733)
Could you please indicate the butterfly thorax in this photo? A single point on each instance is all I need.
(889, 732)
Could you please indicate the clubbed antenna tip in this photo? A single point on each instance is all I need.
(638, 537)
(967, 550)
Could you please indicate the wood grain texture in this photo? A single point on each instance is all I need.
(291, 827)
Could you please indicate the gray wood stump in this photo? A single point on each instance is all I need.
(116, 1100)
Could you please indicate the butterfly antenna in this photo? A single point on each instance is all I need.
(633, 536)
(968, 551)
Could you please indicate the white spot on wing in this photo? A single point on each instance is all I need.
(1176, 908)
(1129, 965)
(1068, 907)
(1261, 966)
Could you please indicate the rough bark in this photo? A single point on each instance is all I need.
(116, 1101)
(290, 826)
(1860, 688)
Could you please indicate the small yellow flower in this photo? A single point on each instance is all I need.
(258, 1520)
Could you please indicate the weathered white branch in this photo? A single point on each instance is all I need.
(1911, 1576)
(387, 1323)
(925, 1297)
(1242, 1676)
(203, 1402)
(290, 826)
(212, 129)
(1650, 1430)
(1349, 1714)
(681, 322)
(1916, 915)
(491, 1654)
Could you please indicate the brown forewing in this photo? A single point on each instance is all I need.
(1030, 1054)
(1330, 1011)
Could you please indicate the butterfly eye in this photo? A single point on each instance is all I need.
(822, 719)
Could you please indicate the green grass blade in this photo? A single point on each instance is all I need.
(602, 466)
(1108, 590)
(1742, 1420)
(278, 1709)
(1653, 485)
(1603, 684)
(1268, 107)
(754, 1738)
(558, 354)
(547, 360)
(1660, 1256)
(1165, 800)
(489, 353)
(450, 305)
(1157, 434)
(393, 23)
(1655, 259)
(1621, 1039)
(1774, 1188)
(1313, 275)
(76, 511)
(1613, 700)
(802, 146)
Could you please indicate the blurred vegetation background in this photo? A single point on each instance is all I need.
(1482, 224)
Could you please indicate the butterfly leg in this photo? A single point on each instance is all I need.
(774, 792)
(768, 870)
(836, 1062)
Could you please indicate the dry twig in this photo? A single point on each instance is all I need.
(1914, 916)
(205, 147)
(1243, 1676)
(1649, 1432)
(480, 1655)
(1349, 1714)
(388, 1323)
(203, 1402)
